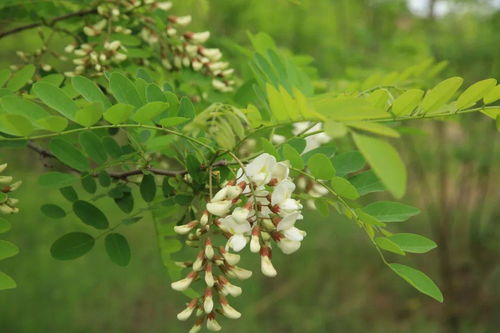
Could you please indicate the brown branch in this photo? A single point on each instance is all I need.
(50, 23)
(124, 175)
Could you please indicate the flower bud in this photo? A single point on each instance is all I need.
(220, 208)
(186, 313)
(197, 326)
(240, 214)
(197, 37)
(3, 167)
(183, 20)
(228, 310)
(228, 288)
(220, 195)
(183, 284)
(239, 273)
(233, 191)
(212, 324)
(208, 302)
(5, 179)
(254, 241)
(185, 228)
(209, 249)
(231, 258)
(209, 277)
(198, 263)
(266, 265)
(166, 5)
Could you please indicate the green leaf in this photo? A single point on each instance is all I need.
(68, 154)
(90, 114)
(89, 184)
(267, 147)
(148, 188)
(344, 188)
(6, 282)
(124, 90)
(53, 211)
(69, 193)
(375, 128)
(149, 111)
(53, 123)
(492, 96)
(126, 202)
(413, 243)
(93, 147)
(89, 90)
(388, 245)
(418, 280)
(57, 179)
(298, 144)
(104, 179)
(321, 167)
(440, 94)
(172, 121)
(112, 148)
(118, 113)
(186, 108)
(7, 249)
(4, 225)
(348, 162)
(56, 98)
(154, 94)
(289, 153)
(389, 211)
(367, 218)
(16, 105)
(90, 214)
(15, 124)
(20, 78)
(407, 102)
(72, 246)
(385, 162)
(4, 76)
(117, 249)
(335, 129)
(474, 93)
(322, 206)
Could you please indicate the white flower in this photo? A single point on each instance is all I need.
(186, 313)
(288, 246)
(254, 241)
(259, 170)
(238, 240)
(208, 303)
(231, 258)
(290, 236)
(220, 195)
(266, 266)
(166, 5)
(185, 228)
(240, 214)
(228, 310)
(233, 191)
(212, 324)
(183, 284)
(239, 273)
(199, 37)
(228, 288)
(281, 197)
(220, 208)
(183, 20)
(280, 171)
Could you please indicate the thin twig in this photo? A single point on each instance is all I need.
(50, 23)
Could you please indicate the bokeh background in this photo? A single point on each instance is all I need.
(336, 282)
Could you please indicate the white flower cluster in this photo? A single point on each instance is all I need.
(7, 204)
(257, 208)
(177, 50)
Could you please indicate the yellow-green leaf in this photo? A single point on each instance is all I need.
(474, 93)
(407, 102)
(440, 94)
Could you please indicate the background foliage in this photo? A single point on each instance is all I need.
(453, 167)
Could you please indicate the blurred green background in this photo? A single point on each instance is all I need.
(336, 282)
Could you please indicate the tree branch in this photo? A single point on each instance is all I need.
(124, 175)
(50, 23)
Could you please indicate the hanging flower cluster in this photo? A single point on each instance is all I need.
(7, 204)
(107, 43)
(256, 208)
